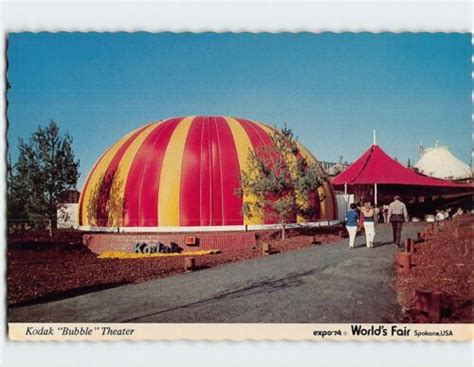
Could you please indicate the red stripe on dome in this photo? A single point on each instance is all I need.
(205, 174)
(215, 192)
(143, 179)
(190, 186)
(314, 201)
(107, 180)
(333, 203)
(230, 173)
(210, 175)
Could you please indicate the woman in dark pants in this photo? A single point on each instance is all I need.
(397, 214)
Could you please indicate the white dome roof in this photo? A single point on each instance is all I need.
(336, 169)
(439, 162)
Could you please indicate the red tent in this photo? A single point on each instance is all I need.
(375, 167)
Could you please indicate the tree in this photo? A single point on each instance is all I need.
(45, 170)
(16, 203)
(280, 181)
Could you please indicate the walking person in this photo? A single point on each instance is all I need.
(397, 214)
(369, 225)
(352, 218)
(385, 213)
(360, 226)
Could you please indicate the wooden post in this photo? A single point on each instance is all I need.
(434, 307)
(403, 260)
(189, 264)
(346, 197)
(429, 302)
(408, 246)
(375, 194)
(266, 248)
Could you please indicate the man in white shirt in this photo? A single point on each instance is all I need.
(397, 214)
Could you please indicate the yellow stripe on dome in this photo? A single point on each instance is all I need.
(117, 191)
(170, 178)
(300, 201)
(243, 145)
(307, 155)
(327, 205)
(91, 192)
(324, 192)
(304, 152)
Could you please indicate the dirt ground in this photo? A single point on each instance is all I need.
(42, 269)
(443, 263)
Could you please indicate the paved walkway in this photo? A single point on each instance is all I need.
(326, 283)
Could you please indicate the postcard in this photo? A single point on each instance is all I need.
(239, 186)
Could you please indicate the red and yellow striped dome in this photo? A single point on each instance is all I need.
(182, 171)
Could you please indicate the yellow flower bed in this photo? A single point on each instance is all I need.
(131, 255)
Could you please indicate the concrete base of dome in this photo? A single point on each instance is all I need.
(197, 229)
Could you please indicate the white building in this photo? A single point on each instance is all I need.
(439, 162)
(68, 215)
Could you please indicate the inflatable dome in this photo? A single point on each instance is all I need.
(179, 172)
(439, 162)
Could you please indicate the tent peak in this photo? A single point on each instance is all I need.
(376, 166)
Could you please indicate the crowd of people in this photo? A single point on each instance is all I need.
(445, 214)
(366, 216)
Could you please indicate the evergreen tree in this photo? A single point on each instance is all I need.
(46, 169)
(280, 181)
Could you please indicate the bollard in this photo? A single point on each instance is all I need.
(406, 245)
(430, 303)
(409, 246)
(403, 260)
(266, 248)
(189, 264)
(434, 307)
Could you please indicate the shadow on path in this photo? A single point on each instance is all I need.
(380, 244)
(57, 296)
(261, 287)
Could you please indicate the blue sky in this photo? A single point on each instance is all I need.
(331, 89)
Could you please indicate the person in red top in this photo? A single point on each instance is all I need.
(368, 214)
